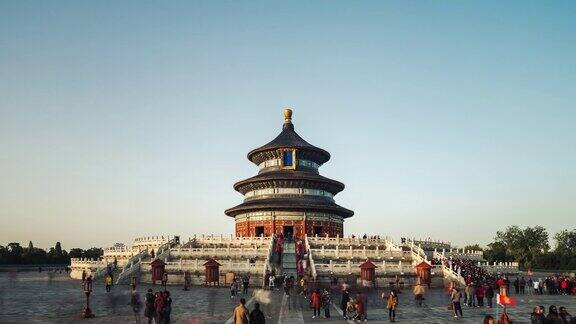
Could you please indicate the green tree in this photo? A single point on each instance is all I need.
(15, 252)
(496, 252)
(58, 249)
(566, 242)
(4, 255)
(76, 253)
(93, 253)
(525, 245)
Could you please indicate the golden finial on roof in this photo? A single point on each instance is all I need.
(287, 115)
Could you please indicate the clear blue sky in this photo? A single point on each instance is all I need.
(448, 119)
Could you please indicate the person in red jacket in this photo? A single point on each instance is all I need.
(159, 306)
(564, 286)
(480, 292)
(316, 302)
(361, 307)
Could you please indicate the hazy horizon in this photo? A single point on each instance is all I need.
(448, 120)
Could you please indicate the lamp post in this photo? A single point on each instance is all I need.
(87, 287)
(164, 279)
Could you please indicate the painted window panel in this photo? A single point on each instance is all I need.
(287, 158)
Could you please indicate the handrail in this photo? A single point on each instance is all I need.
(267, 262)
(310, 258)
(130, 264)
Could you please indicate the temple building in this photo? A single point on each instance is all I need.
(289, 195)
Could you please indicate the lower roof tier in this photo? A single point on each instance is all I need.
(297, 204)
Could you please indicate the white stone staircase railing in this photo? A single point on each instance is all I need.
(132, 266)
(267, 261)
(101, 271)
(418, 254)
(384, 267)
(310, 258)
(452, 275)
(350, 253)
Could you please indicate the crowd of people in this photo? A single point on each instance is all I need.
(555, 315)
(469, 270)
(242, 315)
(158, 307)
(238, 282)
(353, 308)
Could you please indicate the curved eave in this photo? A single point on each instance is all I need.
(288, 138)
(300, 204)
(306, 179)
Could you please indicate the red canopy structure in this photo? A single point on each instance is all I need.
(212, 274)
(158, 267)
(368, 273)
(423, 272)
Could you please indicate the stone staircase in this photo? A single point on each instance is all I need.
(289, 259)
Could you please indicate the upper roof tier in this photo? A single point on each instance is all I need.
(288, 138)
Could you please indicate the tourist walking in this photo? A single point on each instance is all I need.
(287, 289)
(241, 315)
(553, 317)
(564, 315)
(187, 281)
(392, 304)
(419, 294)
(159, 302)
(455, 298)
(541, 286)
(272, 281)
(256, 316)
(136, 304)
(489, 294)
(233, 289)
(537, 316)
(108, 282)
(361, 307)
(303, 287)
(167, 309)
(245, 283)
(326, 302)
(149, 311)
(522, 285)
(470, 295)
(344, 301)
(480, 295)
(315, 303)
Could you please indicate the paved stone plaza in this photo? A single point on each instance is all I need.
(43, 298)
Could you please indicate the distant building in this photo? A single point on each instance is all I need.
(289, 195)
